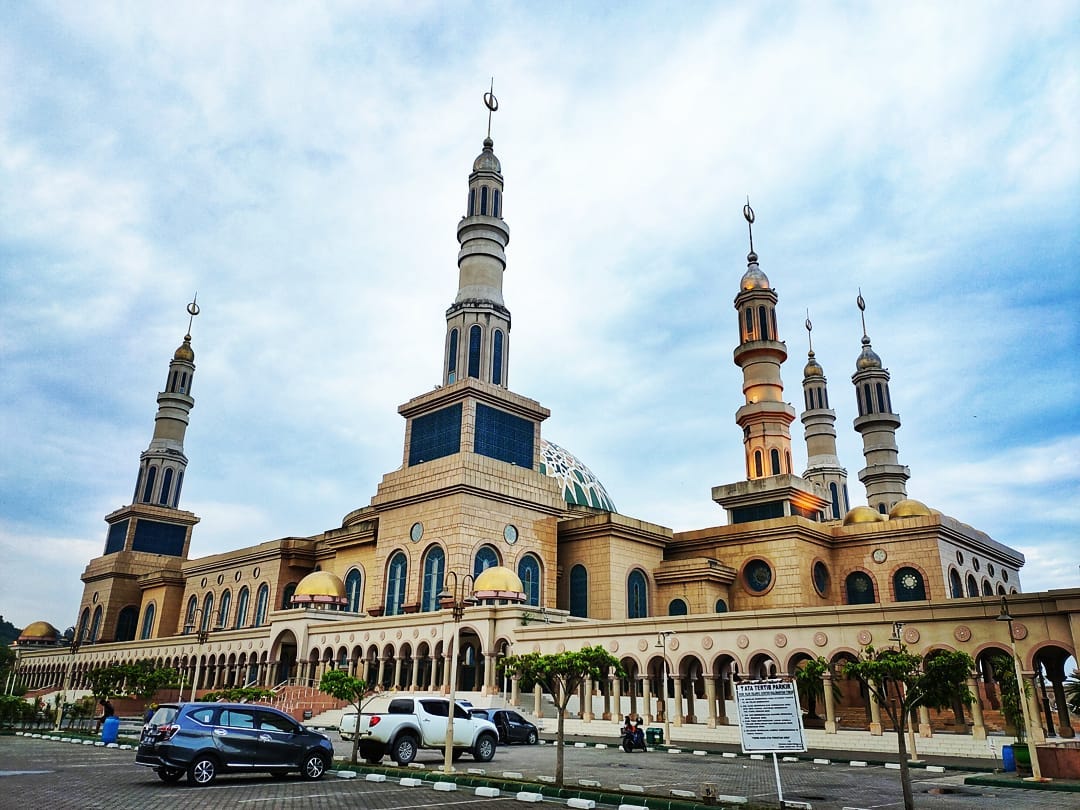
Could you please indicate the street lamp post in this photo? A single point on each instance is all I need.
(661, 641)
(1036, 771)
(456, 597)
(201, 635)
(76, 642)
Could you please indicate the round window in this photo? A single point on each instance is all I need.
(1005, 577)
(255, 573)
(821, 577)
(990, 571)
(237, 576)
(416, 532)
(202, 582)
(960, 557)
(975, 563)
(758, 576)
(220, 578)
(510, 534)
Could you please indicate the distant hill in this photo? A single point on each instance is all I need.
(8, 632)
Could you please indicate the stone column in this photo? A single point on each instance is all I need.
(830, 703)
(677, 720)
(925, 729)
(875, 715)
(382, 671)
(646, 698)
(587, 700)
(398, 660)
(538, 701)
(616, 697)
(721, 703)
(1038, 732)
(710, 698)
(489, 674)
(978, 728)
(414, 678)
(605, 690)
(515, 690)
(1065, 728)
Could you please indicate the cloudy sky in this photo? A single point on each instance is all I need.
(303, 167)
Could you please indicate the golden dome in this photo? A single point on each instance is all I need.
(868, 358)
(39, 631)
(909, 507)
(863, 514)
(813, 368)
(320, 587)
(753, 278)
(499, 582)
(184, 352)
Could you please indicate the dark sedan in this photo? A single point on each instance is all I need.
(513, 728)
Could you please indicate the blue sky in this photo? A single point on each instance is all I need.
(303, 167)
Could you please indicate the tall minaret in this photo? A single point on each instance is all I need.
(478, 323)
(884, 477)
(765, 417)
(819, 421)
(162, 464)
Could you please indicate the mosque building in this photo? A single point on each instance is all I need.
(483, 505)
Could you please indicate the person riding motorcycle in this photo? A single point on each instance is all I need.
(632, 735)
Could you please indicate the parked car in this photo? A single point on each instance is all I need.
(205, 739)
(512, 727)
(404, 725)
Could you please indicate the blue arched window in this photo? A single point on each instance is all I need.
(486, 557)
(956, 586)
(451, 358)
(189, 614)
(166, 486)
(242, 607)
(396, 572)
(148, 622)
(148, 491)
(880, 398)
(579, 591)
(126, 623)
(496, 205)
(749, 324)
(353, 581)
(472, 201)
(474, 351)
(223, 611)
(179, 484)
(834, 491)
(287, 595)
(763, 324)
(860, 589)
(84, 623)
(207, 612)
(972, 586)
(721, 606)
(868, 397)
(262, 602)
(483, 200)
(988, 589)
(908, 585)
(434, 571)
(774, 461)
(95, 626)
(759, 470)
(677, 608)
(637, 595)
(497, 356)
(529, 573)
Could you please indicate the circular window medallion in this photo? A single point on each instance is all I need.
(416, 532)
(416, 632)
(975, 563)
(642, 644)
(758, 576)
(337, 637)
(202, 582)
(911, 635)
(1004, 575)
(1019, 631)
(220, 578)
(560, 648)
(879, 555)
(707, 643)
(960, 557)
(613, 646)
(367, 636)
(963, 633)
(673, 643)
(820, 639)
(821, 578)
(94, 598)
(397, 634)
(865, 637)
(990, 569)
(510, 534)
(780, 640)
(909, 581)
(237, 576)
(742, 641)
(255, 572)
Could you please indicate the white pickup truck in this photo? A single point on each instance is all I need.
(401, 726)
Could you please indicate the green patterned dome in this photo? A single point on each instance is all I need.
(580, 487)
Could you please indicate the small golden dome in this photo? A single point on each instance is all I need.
(813, 368)
(39, 631)
(868, 358)
(863, 514)
(499, 582)
(486, 160)
(184, 352)
(909, 507)
(321, 588)
(753, 278)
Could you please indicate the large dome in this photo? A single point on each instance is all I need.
(580, 487)
(320, 588)
(498, 582)
(39, 633)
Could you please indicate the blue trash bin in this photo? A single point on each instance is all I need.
(1008, 761)
(109, 729)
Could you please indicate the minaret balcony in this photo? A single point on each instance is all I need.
(775, 350)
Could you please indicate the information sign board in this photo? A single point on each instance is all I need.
(769, 717)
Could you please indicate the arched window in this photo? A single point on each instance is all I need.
(772, 320)
(189, 614)
(956, 586)
(880, 398)
(287, 595)
(774, 461)
(207, 612)
(474, 351)
(486, 557)
(988, 589)
(223, 610)
(908, 585)
(869, 399)
(396, 572)
(860, 589)
(808, 397)
(529, 573)
(126, 623)
(84, 623)
(242, 607)
(148, 622)
(579, 591)
(95, 625)
(637, 595)
(972, 586)
(758, 470)
(721, 606)
(496, 203)
(497, 355)
(172, 381)
(881, 508)
(1001, 592)
(353, 581)
(166, 486)
(183, 383)
(483, 200)
(176, 494)
(148, 491)
(677, 608)
(834, 492)
(434, 570)
(787, 462)
(451, 358)
(472, 201)
(749, 324)
(763, 324)
(262, 602)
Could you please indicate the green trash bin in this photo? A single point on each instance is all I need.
(654, 736)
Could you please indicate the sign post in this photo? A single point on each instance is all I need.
(770, 720)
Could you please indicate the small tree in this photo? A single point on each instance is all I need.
(1072, 691)
(107, 682)
(340, 684)
(144, 679)
(901, 681)
(811, 685)
(1005, 675)
(562, 674)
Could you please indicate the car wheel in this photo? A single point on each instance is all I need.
(532, 739)
(314, 766)
(202, 771)
(170, 775)
(628, 746)
(484, 750)
(404, 749)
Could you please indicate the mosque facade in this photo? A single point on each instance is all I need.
(798, 571)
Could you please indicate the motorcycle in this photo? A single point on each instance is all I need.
(633, 739)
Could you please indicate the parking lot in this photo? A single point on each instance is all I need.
(36, 772)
